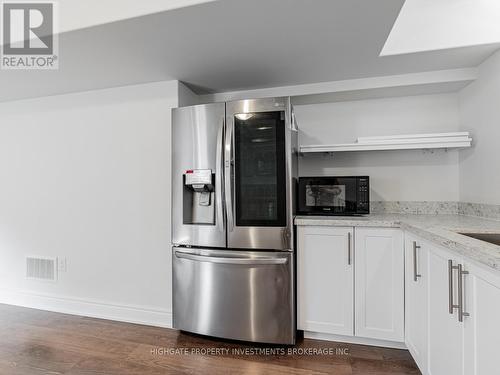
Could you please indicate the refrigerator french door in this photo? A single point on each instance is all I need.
(198, 216)
(233, 175)
(258, 178)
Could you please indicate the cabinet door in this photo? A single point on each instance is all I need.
(416, 282)
(379, 283)
(445, 355)
(482, 326)
(325, 280)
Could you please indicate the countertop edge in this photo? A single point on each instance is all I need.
(476, 251)
(347, 222)
(470, 251)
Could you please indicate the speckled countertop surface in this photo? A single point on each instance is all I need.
(439, 229)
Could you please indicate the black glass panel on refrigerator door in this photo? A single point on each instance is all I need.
(260, 169)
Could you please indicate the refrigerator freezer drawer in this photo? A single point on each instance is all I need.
(240, 295)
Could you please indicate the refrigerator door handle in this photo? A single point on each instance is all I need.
(219, 179)
(228, 175)
(231, 260)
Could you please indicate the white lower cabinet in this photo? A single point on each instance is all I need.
(452, 311)
(379, 283)
(482, 326)
(445, 350)
(416, 284)
(325, 280)
(370, 283)
(334, 264)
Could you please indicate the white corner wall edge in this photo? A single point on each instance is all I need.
(354, 340)
(402, 80)
(82, 307)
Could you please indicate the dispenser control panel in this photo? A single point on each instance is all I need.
(199, 177)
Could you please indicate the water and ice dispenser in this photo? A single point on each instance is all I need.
(199, 197)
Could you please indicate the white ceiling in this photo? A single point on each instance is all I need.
(427, 25)
(234, 45)
(79, 14)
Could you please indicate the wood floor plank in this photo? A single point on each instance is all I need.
(106, 366)
(362, 366)
(36, 358)
(37, 342)
(18, 334)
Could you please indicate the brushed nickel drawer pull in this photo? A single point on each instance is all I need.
(415, 269)
(461, 292)
(451, 305)
(349, 240)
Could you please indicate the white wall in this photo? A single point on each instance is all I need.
(86, 177)
(480, 113)
(395, 175)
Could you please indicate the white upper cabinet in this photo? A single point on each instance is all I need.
(416, 284)
(379, 283)
(325, 279)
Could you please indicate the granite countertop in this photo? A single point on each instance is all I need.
(439, 229)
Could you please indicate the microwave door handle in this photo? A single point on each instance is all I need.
(228, 175)
(219, 178)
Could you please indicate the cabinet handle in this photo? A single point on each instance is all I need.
(461, 292)
(415, 270)
(451, 305)
(349, 240)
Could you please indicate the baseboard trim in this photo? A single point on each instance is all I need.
(422, 369)
(354, 340)
(89, 308)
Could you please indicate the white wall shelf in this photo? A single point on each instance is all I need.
(454, 140)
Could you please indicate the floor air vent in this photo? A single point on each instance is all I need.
(41, 268)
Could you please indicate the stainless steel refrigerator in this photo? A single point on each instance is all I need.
(234, 170)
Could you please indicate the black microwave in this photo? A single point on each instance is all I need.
(343, 195)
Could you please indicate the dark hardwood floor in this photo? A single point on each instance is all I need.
(38, 342)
